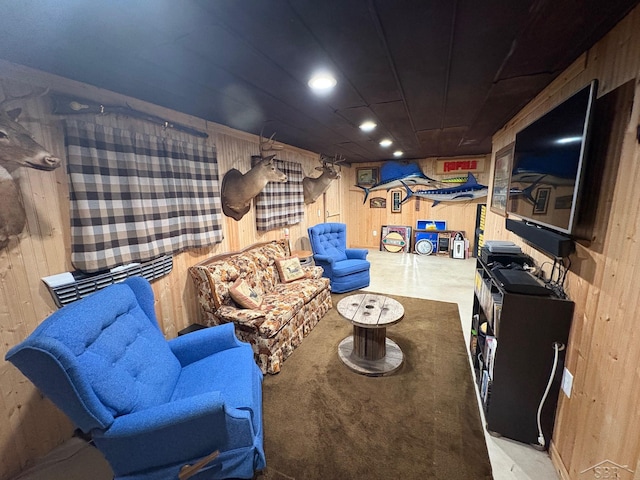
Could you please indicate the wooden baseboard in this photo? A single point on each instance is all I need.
(556, 460)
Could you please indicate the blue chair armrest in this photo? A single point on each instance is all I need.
(158, 418)
(326, 263)
(203, 343)
(357, 253)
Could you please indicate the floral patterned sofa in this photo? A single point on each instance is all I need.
(288, 312)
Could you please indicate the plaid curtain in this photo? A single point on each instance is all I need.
(137, 196)
(281, 204)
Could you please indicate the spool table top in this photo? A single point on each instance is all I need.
(370, 310)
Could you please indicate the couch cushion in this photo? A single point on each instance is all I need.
(264, 257)
(289, 269)
(244, 295)
(279, 307)
(305, 288)
(232, 372)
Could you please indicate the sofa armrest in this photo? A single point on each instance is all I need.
(203, 343)
(244, 317)
(357, 253)
(313, 272)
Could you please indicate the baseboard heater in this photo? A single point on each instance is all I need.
(68, 287)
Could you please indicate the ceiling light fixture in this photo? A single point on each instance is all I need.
(368, 126)
(385, 142)
(398, 153)
(565, 140)
(322, 82)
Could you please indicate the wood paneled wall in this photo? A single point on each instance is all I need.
(30, 425)
(601, 420)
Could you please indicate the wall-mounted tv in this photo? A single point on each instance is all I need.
(549, 162)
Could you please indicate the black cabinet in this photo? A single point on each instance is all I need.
(515, 341)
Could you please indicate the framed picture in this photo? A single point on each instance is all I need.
(542, 200)
(378, 202)
(396, 198)
(367, 177)
(501, 179)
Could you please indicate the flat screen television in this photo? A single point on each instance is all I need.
(549, 163)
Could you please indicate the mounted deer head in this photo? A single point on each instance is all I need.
(17, 146)
(238, 190)
(12, 214)
(314, 187)
(17, 149)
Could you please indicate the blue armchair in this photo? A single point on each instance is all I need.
(346, 268)
(150, 405)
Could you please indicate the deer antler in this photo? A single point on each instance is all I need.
(323, 159)
(267, 146)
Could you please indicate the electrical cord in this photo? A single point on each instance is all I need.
(557, 276)
(557, 348)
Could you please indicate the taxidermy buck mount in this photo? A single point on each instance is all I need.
(239, 189)
(313, 187)
(17, 149)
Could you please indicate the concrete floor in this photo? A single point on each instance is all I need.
(410, 275)
(450, 280)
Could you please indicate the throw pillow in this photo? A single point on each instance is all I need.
(289, 269)
(245, 296)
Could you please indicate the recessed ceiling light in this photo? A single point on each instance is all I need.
(368, 126)
(398, 153)
(565, 140)
(322, 82)
(385, 142)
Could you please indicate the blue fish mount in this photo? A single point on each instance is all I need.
(470, 190)
(392, 174)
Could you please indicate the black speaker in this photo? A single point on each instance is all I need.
(548, 242)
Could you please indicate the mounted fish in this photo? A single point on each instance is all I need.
(239, 189)
(393, 174)
(460, 179)
(468, 191)
(17, 149)
(527, 192)
(542, 178)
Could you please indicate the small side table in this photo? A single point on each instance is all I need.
(368, 351)
(305, 256)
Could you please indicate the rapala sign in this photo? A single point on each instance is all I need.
(460, 165)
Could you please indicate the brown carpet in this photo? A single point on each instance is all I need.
(324, 422)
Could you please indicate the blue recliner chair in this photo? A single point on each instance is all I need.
(151, 406)
(346, 268)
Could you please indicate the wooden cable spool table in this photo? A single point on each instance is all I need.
(368, 351)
